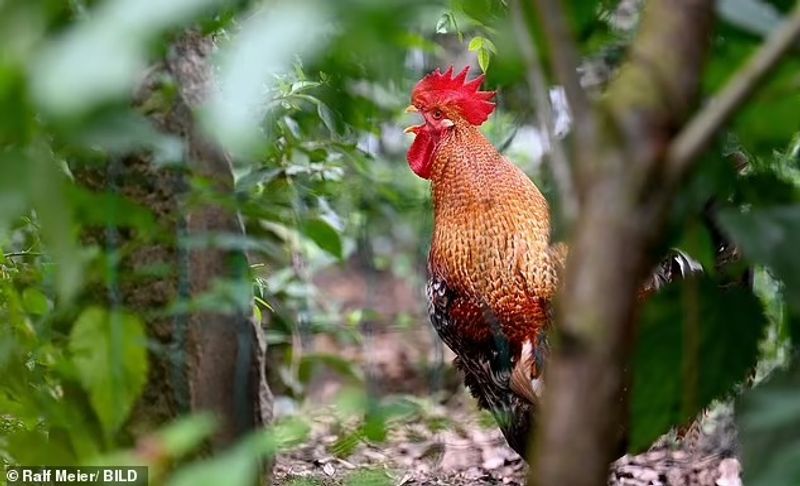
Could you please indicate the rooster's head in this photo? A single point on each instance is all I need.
(445, 102)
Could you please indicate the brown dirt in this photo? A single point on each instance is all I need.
(451, 442)
(470, 451)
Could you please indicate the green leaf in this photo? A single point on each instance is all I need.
(484, 57)
(128, 131)
(238, 466)
(483, 11)
(100, 58)
(346, 368)
(186, 434)
(265, 46)
(489, 46)
(258, 176)
(305, 482)
(325, 235)
(443, 25)
(326, 115)
(107, 208)
(35, 301)
(695, 343)
(15, 171)
(368, 477)
(346, 444)
(768, 421)
(48, 187)
(584, 16)
(779, 97)
(484, 48)
(476, 43)
(300, 86)
(770, 237)
(109, 353)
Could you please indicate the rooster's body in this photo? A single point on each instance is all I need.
(493, 271)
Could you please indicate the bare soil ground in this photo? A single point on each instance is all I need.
(474, 453)
(451, 442)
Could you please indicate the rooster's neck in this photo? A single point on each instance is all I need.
(464, 163)
(469, 177)
(490, 220)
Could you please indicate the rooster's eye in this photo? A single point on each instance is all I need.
(437, 114)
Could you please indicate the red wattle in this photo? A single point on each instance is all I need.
(420, 155)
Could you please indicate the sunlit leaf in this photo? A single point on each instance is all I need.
(109, 352)
(484, 48)
(346, 444)
(476, 43)
(484, 57)
(300, 86)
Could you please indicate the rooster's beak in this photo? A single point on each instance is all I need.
(412, 129)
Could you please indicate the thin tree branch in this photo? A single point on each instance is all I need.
(565, 61)
(700, 130)
(544, 113)
(565, 53)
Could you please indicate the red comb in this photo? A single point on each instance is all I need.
(445, 89)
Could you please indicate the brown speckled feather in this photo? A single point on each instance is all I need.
(493, 271)
(491, 236)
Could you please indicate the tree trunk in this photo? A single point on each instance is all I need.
(202, 360)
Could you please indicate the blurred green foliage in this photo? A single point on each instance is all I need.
(310, 103)
(695, 344)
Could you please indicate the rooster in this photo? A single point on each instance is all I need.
(492, 269)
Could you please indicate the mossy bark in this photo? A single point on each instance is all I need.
(199, 360)
(621, 152)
